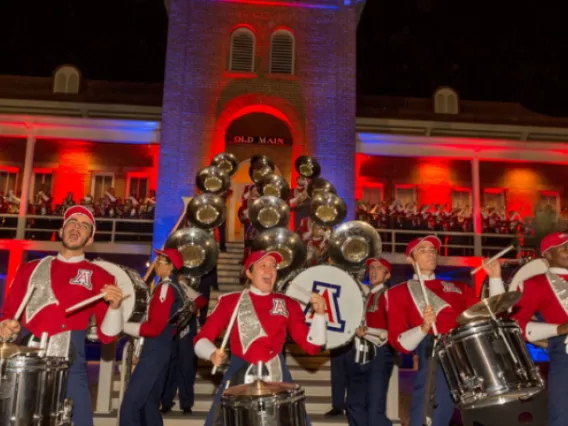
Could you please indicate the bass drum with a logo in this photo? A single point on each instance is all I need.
(343, 295)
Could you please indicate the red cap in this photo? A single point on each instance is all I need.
(73, 210)
(556, 239)
(172, 254)
(382, 261)
(432, 239)
(256, 256)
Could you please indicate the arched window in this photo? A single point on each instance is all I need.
(446, 101)
(67, 79)
(243, 45)
(282, 52)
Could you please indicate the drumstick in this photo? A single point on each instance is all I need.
(89, 301)
(229, 328)
(423, 286)
(493, 259)
(25, 301)
(303, 291)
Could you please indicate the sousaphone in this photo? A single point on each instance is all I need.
(198, 249)
(269, 212)
(275, 185)
(352, 243)
(226, 162)
(213, 180)
(307, 167)
(327, 209)
(206, 211)
(319, 186)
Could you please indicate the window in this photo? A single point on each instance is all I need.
(242, 50)
(41, 181)
(550, 198)
(101, 183)
(446, 101)
(8, 180)
(282, 52)
(66, 80)
(137, 187)
(372, 194)
(405, 194)
(494, 197)
(461, 198)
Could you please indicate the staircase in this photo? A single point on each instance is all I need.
(311, 372)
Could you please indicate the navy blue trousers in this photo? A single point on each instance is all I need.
(181, 374)
(341, 363)
(368, 388)
(235, 365)
(141, 403)
(78, 384)
(444, 403)
(557, 382)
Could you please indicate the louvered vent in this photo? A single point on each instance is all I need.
(242, 50)
(282, 53)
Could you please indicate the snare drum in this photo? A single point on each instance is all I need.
(343, 294)
(22, 378)
(283, 408)
(481, 370)
(54, 391)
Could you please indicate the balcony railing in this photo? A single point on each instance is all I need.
(44, 228)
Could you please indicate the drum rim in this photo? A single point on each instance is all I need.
(480, 323)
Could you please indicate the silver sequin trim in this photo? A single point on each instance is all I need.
(250, 328)
(436, 302)
(271, 371)
(560, 288)
(43, 294)
(59, 345)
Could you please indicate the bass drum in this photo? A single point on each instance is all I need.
(131, 283)
(344, 299)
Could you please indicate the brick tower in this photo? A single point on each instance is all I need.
(255, 71)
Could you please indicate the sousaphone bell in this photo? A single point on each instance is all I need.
(198, 249)
(319, 186)
(275, 185)
(206, 211)
(327, 209)
(307, 167)
(212, 179)
(352, 243)
(269, 212)
(261, 160)
(256, 174)
(227, 162)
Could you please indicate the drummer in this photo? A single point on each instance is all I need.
(141, 403)
(546, 294)
(369, 382)
(259, 332)
(410, 320)
(61, 282)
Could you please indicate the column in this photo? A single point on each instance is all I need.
(26, 181)
(476, 195)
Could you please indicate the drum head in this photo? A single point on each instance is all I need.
(534, 267)
(125, 284)
(345, 305)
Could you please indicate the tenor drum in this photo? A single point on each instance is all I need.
(264, 404)
(343, 295)
(132, 284)
(54, 405)
(482, 370)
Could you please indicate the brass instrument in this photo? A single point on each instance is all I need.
(320, 185)
(226, 162)
(212, 179)
(275, 185)
(352, 243)
(206, 211)
(198, 249)
(327, 209)
(269, 212)
(307, 167)
(256, 174)
(261, 160)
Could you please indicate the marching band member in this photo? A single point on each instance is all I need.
(317, 245)
(368, 385)
(60, 282)
(181, 369)
(547, 294)
(259, 333)
(410, 320)
(141, 403)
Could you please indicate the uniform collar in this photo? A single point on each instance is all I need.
(425, 277)
(376, 289)
(559, 271)
(74, 259)
(258, 292)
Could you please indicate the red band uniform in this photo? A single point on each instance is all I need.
(59, 284)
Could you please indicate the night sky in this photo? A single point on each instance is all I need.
(497, 51)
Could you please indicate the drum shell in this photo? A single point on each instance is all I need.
(55, 390)
(479, 369)
(23, 378)
(284, 409)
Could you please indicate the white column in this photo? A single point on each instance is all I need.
(476, 195)
(392, 396)
(106, 376)
(26, 183)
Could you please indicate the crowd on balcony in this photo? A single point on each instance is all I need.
(109, 205)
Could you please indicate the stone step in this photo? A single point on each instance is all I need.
(230, 255)
(228, 280)
(232, 267)
(231, 273)
(230, 261)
